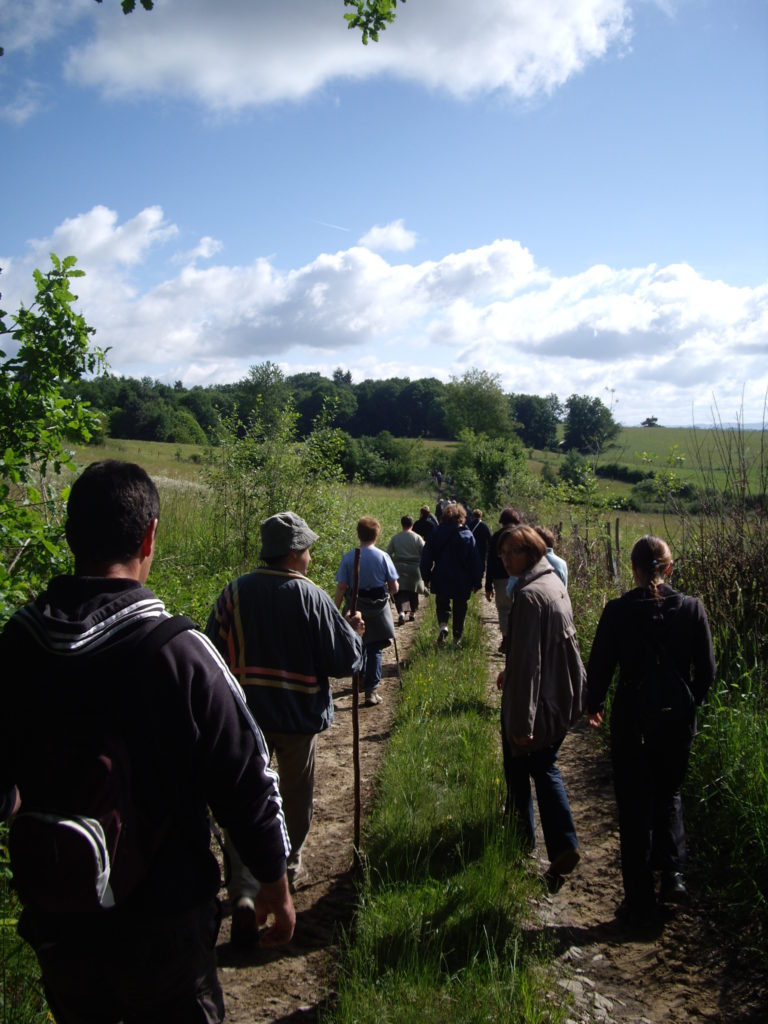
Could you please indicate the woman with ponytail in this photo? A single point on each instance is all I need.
(661, 643)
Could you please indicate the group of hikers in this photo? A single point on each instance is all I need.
(133, 732)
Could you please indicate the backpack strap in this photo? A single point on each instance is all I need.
(159, 635)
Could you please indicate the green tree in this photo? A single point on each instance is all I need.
(536, 419)
(262, 467)
(484, 468)
(476, 401)
(589, 424)
(37, 423)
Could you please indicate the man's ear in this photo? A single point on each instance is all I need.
(148, 540)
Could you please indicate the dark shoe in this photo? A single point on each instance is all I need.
(673, 888)
(245, 931)
(637, 918)
(400, 619)
(442, 636)
(411, 617)
(565, 862)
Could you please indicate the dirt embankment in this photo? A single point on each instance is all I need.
(679, 975)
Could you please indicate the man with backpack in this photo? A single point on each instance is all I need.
(121, 726)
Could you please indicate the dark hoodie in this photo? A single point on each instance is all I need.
(74, 656)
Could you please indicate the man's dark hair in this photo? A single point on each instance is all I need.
(406, 522)
(110, 506)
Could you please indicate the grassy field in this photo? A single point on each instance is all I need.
(722, 557)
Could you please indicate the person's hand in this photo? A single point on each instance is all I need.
(274, 898)
(523, 741)
(500, 681)
(356, 622)
(596, 719)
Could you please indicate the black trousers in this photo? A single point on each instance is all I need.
(443, 610)
(135, 969)
(647, 776)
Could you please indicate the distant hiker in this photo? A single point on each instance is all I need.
(558, 564)
(405, 551)
(282, 637)
(481, 533)
(496, 576)
(378, 579)
(661, 643)
(451, 567)
(114, 693)
(543, 695)
(425, 524)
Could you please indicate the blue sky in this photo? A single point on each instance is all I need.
(571, 194)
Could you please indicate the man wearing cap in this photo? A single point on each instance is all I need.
(282, 637)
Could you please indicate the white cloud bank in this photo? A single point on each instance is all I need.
(233, 54)
(664, 338)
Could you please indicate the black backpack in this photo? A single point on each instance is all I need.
(661, 700)
(94, 845)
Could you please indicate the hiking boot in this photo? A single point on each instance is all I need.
(372, 699)
(565, 862)
(673, 888)
(412, 617)
(401, 619)
(442, 636)
(296, 876)
(245, 931)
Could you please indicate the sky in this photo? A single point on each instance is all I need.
(569, 194)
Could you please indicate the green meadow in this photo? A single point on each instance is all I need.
(438, 932)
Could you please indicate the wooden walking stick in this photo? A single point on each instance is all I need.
(356, 716)
(397, 653)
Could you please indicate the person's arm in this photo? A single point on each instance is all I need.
(523, 670)
(230, 757)
(275, 898)
(704, 668)
(602, 663)
(425, 562)
(338, 597)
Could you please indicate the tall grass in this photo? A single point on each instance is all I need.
(438, 933)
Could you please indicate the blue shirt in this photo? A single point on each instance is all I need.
(376, 569)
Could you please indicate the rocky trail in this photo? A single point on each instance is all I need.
(678, 975)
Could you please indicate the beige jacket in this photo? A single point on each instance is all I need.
(544, 678)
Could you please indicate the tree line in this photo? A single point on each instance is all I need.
(149, 410)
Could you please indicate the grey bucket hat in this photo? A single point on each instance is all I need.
(283, 533)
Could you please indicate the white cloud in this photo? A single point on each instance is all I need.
(665, 338)
(28, 100)
(394, 237)
(233, 54)
(205, 249)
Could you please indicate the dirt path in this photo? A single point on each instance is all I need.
(289, 985)
(679, 976)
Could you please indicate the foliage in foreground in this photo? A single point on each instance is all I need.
(52, 349)
(438, 930)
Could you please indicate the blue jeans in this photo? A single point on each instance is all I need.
(372, 666)
(554, 809)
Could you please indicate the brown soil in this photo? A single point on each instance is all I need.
(678, 975)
